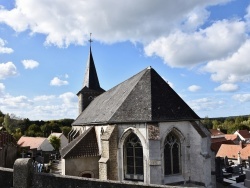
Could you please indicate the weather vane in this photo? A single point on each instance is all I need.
(90, 38)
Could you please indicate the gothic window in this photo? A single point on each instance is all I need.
(133, 158)
(172, 154)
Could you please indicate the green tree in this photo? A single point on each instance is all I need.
(34, 130)
(207, 122)
(65, 130)
(1, 114)
(216, 124)
(55, 142)
(46, 129)
(18, 134)
(7, 123)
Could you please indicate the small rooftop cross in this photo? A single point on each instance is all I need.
(90, 38)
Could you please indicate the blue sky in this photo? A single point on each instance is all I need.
(200, 47)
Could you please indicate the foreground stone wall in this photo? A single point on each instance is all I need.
(22, 171)
(6, 177)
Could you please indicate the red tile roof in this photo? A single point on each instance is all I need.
(245, 152)
(231, 151)
(215, 132)
(244, 133)
(220, 139)
(233, 137)
(32, 142)
(215, 146)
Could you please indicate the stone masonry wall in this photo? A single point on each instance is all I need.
(108, 162)
(113, 143)
(41, 180)
(6, 177)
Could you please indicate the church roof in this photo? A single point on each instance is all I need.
(90, 78)
(145, 97)
(84, 145)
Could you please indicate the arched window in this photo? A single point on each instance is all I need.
(133, 158)
(172, 154)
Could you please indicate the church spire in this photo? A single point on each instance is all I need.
(90, 78)
(91, 87)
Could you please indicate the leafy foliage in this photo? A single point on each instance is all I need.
(55, 142)
(230, 124)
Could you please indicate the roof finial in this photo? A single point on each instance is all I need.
(90, 39)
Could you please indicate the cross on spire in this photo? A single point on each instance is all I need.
(90, 40)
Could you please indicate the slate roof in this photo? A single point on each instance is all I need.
(145, 97)
(84, 145)
(32, 142)
(91, 80)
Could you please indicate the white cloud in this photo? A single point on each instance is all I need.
(247, 17)
(44, 107)
(227, 87)
(194, 88)
(235, 68)
(30, 64)
(7, 69)
(242, 97)
(44, 97)
(57, 82)
(15, 102)
(205, 104)
(69, 99)
(2, 88)
(64, 22)
(181, 49)
(3, 49)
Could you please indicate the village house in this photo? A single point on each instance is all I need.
(243, 135)
(138, 131)
(218, 138)
(238, 154)
(34, 145)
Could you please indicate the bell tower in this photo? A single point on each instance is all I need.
(91, 87)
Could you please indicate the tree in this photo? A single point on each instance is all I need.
(18, 134)
(65, 130)
(55, 142)
(216, 124)
(34, 130)
(7, 123)
(1, 114)
(207, 122)
(46, 129)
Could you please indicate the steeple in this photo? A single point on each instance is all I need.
(91, 87)
(90, 78)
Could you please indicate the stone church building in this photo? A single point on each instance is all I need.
(138, 131)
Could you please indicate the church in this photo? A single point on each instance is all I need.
(139, 131)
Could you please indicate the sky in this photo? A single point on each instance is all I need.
(200, 47)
